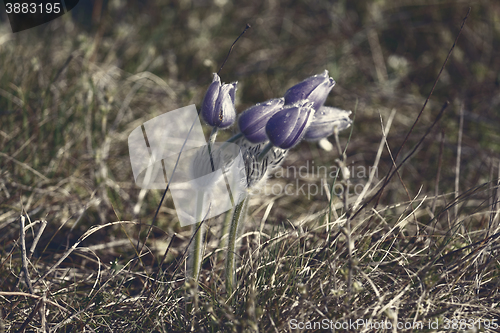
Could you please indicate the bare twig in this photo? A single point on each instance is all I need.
(24, 165)
(493, 225)
(440, 162)
(459, 154)
(347, 230)
(43, 319)
(377, 158)
(23, 254)
(232, 45)
(30, 317)
(377, 55)
(399, 175)
(37, 238)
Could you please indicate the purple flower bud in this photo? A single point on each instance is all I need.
(217, 108)
(324, 122)
(253, 121)
(287, 127)
(315, 89)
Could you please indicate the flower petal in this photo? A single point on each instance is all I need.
(324, 122)
(287, 127)
(252, 121)
(315, 88)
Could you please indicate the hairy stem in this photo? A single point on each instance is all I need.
(264, 151)
(211, 142)
(235, 137)
(195, 258)
(239, 215)
(225, 233)
(197, 245)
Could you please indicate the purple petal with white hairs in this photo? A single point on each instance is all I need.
(217, 108)
(258, 170)
(225, 114)
(252, 121)
(315, 89)
(287, 127)
(208, 104)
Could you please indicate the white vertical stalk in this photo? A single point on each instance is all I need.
(198, 228)
(225, 233)
(211, 142)
(195, 257)
(457, 166)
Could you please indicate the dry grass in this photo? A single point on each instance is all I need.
(425, 250)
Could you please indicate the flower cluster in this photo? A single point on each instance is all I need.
(269, 129)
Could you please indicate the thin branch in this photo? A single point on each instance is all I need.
(459, 155)
(37, 238)
(440, 163)
(30, 317)
(23, 254)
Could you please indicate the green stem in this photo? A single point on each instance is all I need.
(231, 140)
(235, 137)
(225, 233)
(197, 245)
(211, 142)
(213, 136)
(239, 215)
(195, 258)
(264, 152)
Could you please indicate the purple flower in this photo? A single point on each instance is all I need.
(324, 122)
(253, 121)
(217, 108)
(315, 89)
(287, 127)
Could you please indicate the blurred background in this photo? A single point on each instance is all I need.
(73, 89)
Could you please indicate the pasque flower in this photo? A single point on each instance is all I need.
(324, 122)
(217, 108)
(287, 127)
(252, 121)
(315, 89)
